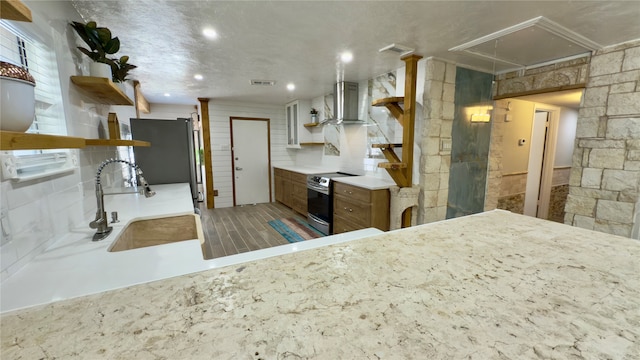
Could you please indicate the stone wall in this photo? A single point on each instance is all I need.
(567, 74)
(439, 93)
(604, 192)
(512, 192)
(562, 75)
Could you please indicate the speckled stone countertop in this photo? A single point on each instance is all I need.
(489, 286)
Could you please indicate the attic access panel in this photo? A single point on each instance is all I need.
(532, 42)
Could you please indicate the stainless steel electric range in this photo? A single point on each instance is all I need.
(320, 201)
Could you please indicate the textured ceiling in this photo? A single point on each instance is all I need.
(299, 41)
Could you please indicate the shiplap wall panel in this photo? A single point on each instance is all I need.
(220, 112)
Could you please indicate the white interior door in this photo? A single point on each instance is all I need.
(250, 154)
(536, 158)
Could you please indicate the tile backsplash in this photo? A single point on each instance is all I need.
(36, 213)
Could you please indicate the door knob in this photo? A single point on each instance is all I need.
(238, 168)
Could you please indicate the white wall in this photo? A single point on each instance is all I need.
(170, 111)
(39, 212)
(220, 113)
(515, 157)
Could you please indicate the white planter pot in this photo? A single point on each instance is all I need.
(17, 103)
(100, 70)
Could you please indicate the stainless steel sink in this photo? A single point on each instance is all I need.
(158, 231)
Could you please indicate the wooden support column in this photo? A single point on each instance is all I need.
(411, 74)
(206, 139)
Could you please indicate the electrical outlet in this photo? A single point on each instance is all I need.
(445, 145)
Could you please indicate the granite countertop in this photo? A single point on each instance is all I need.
(489, 286)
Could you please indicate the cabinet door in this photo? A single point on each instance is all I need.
(295, 125)
(280, 189)
(292, 125)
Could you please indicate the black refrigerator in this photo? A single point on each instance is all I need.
(171, 158)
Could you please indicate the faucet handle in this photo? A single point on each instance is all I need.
(96, 223)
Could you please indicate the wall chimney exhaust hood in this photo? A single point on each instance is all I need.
(345, 104)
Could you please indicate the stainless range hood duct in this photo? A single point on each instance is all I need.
(345, 104)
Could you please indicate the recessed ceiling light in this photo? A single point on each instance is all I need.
(167, 94)
(291, 87)
(346, 57)
(198, 77)
(209, 33)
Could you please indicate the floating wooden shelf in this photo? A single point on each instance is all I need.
(10, 140)
(311, 124)
(14, 10)
(392, 104)
(386, 146)
(312, 144)
(389, 100)
(111, 142)
(393, 166)
(102, 89)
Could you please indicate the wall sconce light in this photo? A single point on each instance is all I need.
(479, 114)
(480, 117)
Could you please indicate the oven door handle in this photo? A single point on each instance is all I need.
(319, 189)
(317, 219)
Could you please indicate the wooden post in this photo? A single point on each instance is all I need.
(411, 73)
(206, 139)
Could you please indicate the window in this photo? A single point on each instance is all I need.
(20, 49)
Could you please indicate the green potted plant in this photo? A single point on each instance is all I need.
(120, 69)
(314, 115)
(100, 45)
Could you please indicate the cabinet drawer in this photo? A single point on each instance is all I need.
(341, 225)
(300, 178)
(282, 173)
(356, 212)
(352, 192)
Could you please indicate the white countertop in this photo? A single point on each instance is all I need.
(307, 170)
(76, 266)
(367, 182)
(364, 181)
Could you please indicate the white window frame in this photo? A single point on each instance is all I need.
(31, 52)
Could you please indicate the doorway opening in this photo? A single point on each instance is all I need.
(537, 149)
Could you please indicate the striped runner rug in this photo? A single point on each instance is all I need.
(295, 230)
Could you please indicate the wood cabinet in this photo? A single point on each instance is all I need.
(291, 189)
(357, 208)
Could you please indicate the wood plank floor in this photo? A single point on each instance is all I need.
(240, 229)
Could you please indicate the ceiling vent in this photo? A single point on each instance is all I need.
(263, 82)
(398, 48)
(532, 42)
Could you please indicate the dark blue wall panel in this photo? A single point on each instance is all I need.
(470, 146)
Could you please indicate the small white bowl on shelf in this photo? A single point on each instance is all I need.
(17, 98)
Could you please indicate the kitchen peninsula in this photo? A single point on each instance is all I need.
(486, 286)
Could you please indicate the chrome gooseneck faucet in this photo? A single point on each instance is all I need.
(101, 224)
